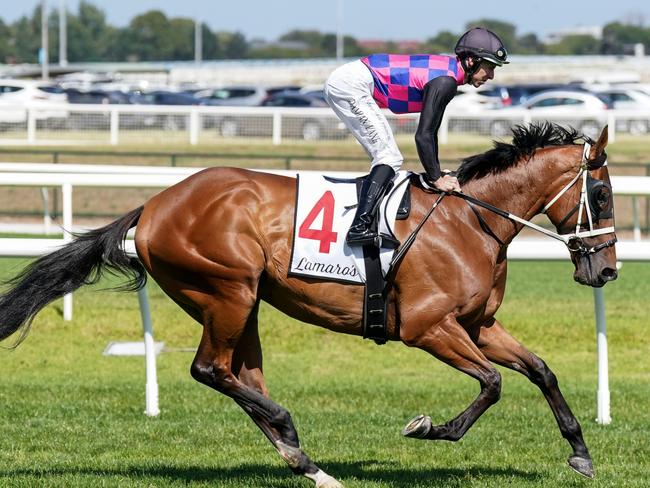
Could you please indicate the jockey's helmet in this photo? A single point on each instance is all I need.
(483, 44)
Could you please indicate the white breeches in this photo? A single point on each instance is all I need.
(348, 90)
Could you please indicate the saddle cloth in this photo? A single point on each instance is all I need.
(321, 222)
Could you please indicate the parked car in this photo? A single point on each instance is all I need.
(629, 100)
(164, 121)
(516, 94)
(582, 110)
(249, 96)
(307, 127)
(467, 103)
(313, 91)
(17, 93)
(94, 96)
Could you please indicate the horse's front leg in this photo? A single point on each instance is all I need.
(449, 342)
(499, 346)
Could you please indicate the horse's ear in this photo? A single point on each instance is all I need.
(599, 148)
(597, 156)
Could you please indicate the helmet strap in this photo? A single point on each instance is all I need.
(470, 70)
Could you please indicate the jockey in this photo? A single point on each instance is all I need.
(405, 83)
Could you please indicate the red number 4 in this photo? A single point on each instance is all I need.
(325, 235)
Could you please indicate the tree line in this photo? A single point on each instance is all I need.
(152, 36)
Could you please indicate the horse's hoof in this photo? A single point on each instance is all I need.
(330, 484)
(582, 466)
(324, 480)
(418, 428)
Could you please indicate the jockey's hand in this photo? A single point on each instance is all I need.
(447, 183)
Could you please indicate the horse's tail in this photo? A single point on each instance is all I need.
(81, 262)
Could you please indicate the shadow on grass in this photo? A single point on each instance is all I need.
(280, 476)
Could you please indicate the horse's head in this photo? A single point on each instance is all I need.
(581, 207)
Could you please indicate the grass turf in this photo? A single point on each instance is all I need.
(71, 417)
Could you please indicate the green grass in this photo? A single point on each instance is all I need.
(70, 417)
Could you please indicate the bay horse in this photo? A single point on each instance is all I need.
(220, 241)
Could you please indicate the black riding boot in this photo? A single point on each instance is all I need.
(372, 190)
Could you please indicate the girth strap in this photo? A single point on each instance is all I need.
(374, 310)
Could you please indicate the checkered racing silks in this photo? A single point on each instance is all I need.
(400, 78)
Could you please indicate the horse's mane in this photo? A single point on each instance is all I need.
(525, 140)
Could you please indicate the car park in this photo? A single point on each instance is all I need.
(50, 99)
(634, 107)
(580, 109)
(249, 96)
(166, 121)
(299, 125)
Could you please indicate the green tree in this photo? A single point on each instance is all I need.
(618, 38)
(181, 38)
(234, 45)
(148, 36)
(27, 37)
(443, 42)
(211, 46)
(88, 34)
(350, 46)
(575, 44)
(505, 30)
(528, 44)
(6, 49)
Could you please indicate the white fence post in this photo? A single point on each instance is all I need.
(151, 387)
(635, 219)
(611, 127)
(603, 416)
(31, 125)
(115, 127)
(194, 126)
(277, 128)
(66, 190)
(47, 218)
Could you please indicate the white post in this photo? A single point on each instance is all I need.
(47, 218)
(603, 417)
(45, 36)
(339, 31)
(115, 127)
(611, 127)
(66, 190)
(198, 42)
(277, 128)
(151, 398)
(63, 34)
(635, 219)
(31, 125)
(194, 126)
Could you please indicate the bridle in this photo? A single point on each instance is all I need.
(573, 241)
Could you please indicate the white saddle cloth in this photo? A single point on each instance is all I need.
(321, 223)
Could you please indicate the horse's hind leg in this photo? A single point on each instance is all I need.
(499, 346)
(450, 343)
(229, 359)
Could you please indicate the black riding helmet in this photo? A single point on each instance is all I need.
(480, 43)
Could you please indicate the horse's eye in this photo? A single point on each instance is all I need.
(602, 198)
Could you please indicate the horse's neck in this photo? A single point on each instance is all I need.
(520, 190)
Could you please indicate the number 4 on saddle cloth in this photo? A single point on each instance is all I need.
(325, 208)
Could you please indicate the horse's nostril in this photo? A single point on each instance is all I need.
(609, 274)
